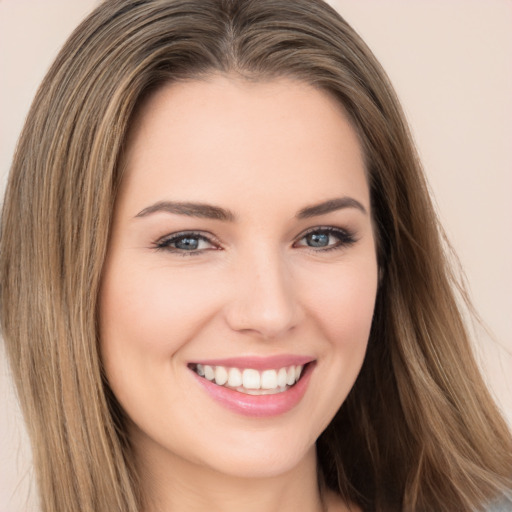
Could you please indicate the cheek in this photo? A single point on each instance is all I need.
(343, 301)
(341, 306)
(146, 316)
(155, 310)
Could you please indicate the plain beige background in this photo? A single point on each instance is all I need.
(451, 63)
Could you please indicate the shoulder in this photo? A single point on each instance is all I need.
(501, 505)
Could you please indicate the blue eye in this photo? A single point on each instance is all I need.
(188, 243)
(185, 243)
(326, 238)
(318, 239)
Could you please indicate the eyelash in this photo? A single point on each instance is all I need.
(345, 239)
(164, 244)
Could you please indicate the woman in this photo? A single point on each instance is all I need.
(240, 295)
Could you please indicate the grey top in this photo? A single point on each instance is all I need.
(503, 505)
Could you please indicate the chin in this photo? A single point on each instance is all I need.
(263, 457)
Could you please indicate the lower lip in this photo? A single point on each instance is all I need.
(258, 405)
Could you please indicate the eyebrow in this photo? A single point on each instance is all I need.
(330, 206)
(201, 210)
(208, 211)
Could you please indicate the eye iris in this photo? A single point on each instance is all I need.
(187, 243)
(318, 239)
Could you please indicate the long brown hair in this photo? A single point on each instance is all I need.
(419, 430)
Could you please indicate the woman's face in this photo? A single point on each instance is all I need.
(241, 252)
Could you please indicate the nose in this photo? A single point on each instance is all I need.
(263, 302)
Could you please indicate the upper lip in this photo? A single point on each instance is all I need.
(258, 362)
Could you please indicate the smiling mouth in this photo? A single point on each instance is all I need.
(250, 381)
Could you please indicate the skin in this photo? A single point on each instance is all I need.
(264, 151)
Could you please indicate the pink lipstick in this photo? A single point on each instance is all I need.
(255, 386)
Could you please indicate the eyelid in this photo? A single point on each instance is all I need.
(163, 243)
(346, 237)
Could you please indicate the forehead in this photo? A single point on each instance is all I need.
(222, 134)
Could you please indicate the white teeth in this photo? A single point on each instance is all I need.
(221, 375)
(251, 379)
(259, 392)
(290, 378)
(209, 373)
(269, 379)
(235, 378)
(281, 378)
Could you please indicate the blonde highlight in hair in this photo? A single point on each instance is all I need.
(418, 432)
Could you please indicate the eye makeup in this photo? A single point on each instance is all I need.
(317, 239)
(327, 238)
(187, 243)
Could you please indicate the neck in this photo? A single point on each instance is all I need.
(171, 483)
